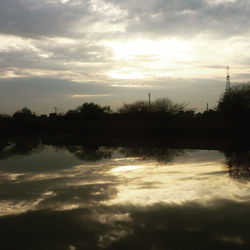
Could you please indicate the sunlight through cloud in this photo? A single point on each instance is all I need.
(170, 50)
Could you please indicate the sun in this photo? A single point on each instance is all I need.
(144, 59)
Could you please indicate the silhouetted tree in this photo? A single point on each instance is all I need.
(24, 120)
(160, 106)
(4, 123)
(23, 114)
(236, 101)
(164, 105)
(73, 114)
(107, 110)
(89, 111)
(136, 107)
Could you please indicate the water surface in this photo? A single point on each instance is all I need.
(78, 197)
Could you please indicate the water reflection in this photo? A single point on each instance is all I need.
(90, 153)
(238, 163)
(19, 146)
(160, 154)
(223, 225)
(79, 197)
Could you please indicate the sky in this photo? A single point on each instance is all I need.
(62, 53)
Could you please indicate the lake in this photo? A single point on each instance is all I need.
(92, 197)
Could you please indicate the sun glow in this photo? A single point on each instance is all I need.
(165, 49)
(146, 59)
(126, 74)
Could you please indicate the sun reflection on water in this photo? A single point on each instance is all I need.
(175, 183)
(126, 168)
(125, 179)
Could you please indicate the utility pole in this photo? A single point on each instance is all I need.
(227, 80)
(149, 100)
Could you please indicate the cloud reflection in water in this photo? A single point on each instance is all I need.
(125, 202)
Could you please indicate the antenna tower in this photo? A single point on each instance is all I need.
(227, 80)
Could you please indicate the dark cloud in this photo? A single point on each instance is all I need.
(163, 17)
(185, 18)
(48, 88)
(31, 18)
(58, 58)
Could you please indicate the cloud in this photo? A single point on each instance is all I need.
(66, 58)
(116, 43)
(35, 19)
(187, 18)
(31, 18)
(154, 18)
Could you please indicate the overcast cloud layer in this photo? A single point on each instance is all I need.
(116, 51)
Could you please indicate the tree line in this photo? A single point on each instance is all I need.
(233, 106)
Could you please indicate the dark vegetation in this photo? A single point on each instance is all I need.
(162, 117)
